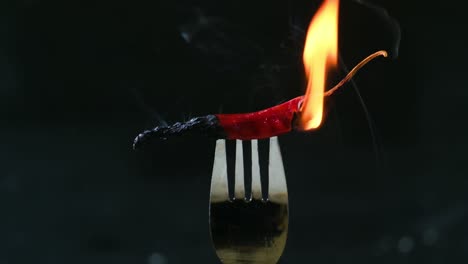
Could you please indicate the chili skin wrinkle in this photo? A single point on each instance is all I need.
(273, 121)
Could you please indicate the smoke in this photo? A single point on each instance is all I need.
(392, 25)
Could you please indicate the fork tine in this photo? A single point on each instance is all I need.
(252, 231)
(219, 184)
(277, 189)
(256, 184)
(239, 190)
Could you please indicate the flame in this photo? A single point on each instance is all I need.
(320, 55)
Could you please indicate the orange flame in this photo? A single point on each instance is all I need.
(320, 54)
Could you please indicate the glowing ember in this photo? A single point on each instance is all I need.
(320, 54)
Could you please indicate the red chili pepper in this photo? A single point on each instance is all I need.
(265, 123)
(273, 121)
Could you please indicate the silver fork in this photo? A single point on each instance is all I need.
(248, 229)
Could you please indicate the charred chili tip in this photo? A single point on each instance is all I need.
(138, 141)
(198, 126)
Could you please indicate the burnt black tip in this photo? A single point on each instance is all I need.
(201, 126)
(142, 138)
(138, 141)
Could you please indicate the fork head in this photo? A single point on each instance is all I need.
(248, 229)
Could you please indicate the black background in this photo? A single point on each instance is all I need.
(80, 79)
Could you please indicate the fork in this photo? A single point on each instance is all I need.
(248, 229)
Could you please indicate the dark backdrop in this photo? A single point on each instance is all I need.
(79, 79)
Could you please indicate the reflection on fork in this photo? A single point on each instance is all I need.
(248, 229)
